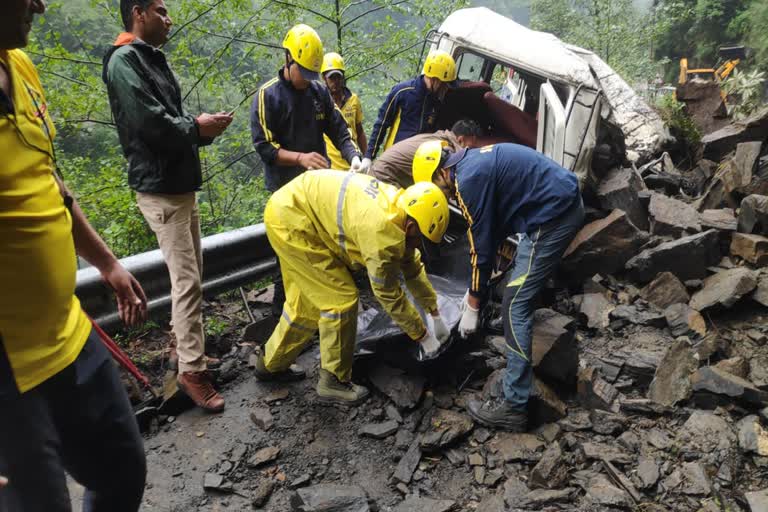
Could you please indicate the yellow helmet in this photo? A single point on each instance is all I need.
(306, 49)
(427, 205)
(426, 160)
(439, 64)
(332, 62)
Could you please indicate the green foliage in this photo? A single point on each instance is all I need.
(221, 51)
(215, 326)
(756, 21)
(680, 124)
(745, 93)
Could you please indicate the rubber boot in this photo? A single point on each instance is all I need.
(332, 391)
(289, 375)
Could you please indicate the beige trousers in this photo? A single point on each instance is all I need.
(175, 221)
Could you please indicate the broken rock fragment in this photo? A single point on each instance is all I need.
(611, 453)
(723, 141)
(408, 463)
(724, 289)
(594, 309)
(414, 504)
(751, 248)
(714, 387)
(515, 447)
(683, 320)
(403, 389)
(445, 427)
(554, 351)
(665, 290)
(603, 246)
(647, 472)
(753, 214)
(330, 497)
(752, 436)
(619, 189)
(601, 491)
(672, 384)
(687, 258)
(594, 392)
(379, 430)
(544, 406)
(670, 217)
(634, 314)
(264, 456)
(552, 471)
(723, 219)
(757, 500)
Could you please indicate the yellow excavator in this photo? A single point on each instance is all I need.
(730, 56)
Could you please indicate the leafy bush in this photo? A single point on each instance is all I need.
(745, 93)
(680, 124)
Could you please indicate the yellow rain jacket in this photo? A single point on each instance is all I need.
(324, 225)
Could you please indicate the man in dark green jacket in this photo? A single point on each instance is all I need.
(160, 141)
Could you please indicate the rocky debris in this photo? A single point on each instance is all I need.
(604, 246)
(539, 498)
(705, 431)
(301, 481)
(752, 437)
(715, 197)
(683, 320)
(724, 289)
(723, 219)
(621, 481)
(414, 504)
(445, 427)
(594, 309)
(393, 414)
(600, 452)
(672, 384)
(262, 418)
(647, 472)
(670, 217)
(600, 490)
(664, 291)
(403, 389)
(736, 172)
(691, 479)
(760, 295)
(714, 387)
(723, 141)
(216, 482)
(277, 395)
(659, 439)
(408, 463)
(687, 258)
(378, 430)
(330, 497)
(519, 447)
(593, 392)
(635, 314)
(737, 366)
(554, 352)
(607, 423)
(264, 456)
(619, 190)
(757, 500)
(750, 248)
(753, 215)
(263, 491)
(544, 406)
(551, 472)
(456, 457)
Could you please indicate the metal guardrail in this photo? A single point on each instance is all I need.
(230, 260)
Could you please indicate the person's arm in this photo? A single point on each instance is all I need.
(387, 113)
(475, 197)
(131, 300)
(417, 282)
(362, 142)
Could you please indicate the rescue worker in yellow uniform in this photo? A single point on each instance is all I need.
(333, 71)
(326, 224)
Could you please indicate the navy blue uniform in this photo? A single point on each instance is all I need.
(285, 117)
(410, 109)
(505, 189)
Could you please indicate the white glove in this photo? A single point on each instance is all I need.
(355, 164)
(469, 318)
(429, 347)
(365, 165)
(441, 330)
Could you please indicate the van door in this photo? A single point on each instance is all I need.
(551, 136)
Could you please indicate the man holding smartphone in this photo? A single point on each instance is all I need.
(161, 141)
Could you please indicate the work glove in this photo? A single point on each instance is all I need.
(429, 347)
(441, 330)
(470, 318)
(365, 165)
(355, 164)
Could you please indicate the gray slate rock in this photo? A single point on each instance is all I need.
(330, 498)
(403, 389)
(686, 258)
(414, 504)
(551, 472)
(672, 383)
(724, 289)
(378, 430)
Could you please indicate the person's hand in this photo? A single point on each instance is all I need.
(429, 347)
(313, 161)
(365, 165)
(355, 164)
(131, 300)
(442, 333)
(470, 317)
(213, 125)
(3, 481)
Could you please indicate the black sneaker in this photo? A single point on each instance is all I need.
(498, 413)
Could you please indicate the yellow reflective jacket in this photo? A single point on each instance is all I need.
(358, 219)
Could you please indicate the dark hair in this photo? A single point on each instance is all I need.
(126, 11)
(467, 127)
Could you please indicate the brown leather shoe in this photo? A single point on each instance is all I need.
(198, 387)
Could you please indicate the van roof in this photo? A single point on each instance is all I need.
(503, 38)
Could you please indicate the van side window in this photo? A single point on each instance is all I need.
(470, 67)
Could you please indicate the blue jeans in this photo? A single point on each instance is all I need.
(79, 421)
(537, 257)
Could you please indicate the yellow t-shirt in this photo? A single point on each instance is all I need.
(42, 326)
(352, 112)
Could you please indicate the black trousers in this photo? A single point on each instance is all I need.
(79, 421)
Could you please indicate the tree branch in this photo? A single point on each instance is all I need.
(200, 15)
(64, 77)
(81, 121)
(58, 57)
(352, 4)
(230, 164)
(369, 11)
(386, 59)
(237, 39)
(321, 15)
